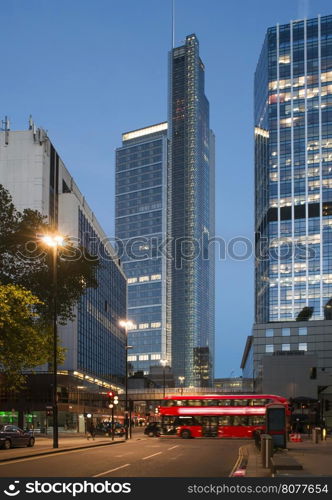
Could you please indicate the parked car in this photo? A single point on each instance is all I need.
(119, 430)
(152, 429)
(11, 435)
(106, 429)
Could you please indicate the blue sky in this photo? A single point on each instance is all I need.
(88, 71)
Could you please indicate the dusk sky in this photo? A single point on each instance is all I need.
(88, 71)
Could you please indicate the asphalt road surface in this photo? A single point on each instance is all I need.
(142, 457)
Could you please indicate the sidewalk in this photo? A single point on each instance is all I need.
(67, 442)
(316, 459)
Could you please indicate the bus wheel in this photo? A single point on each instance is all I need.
(185, 434)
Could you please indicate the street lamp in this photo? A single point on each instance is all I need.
(126, 324)
(164, 362)
(54, 241)
(181, 380)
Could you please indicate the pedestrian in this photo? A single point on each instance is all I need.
(91, 431)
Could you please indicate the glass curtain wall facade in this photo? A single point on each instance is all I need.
(140, 229)
(100, 340)
(293, 165)
(191, 216)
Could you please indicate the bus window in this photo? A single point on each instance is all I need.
(240, 420)
(179, 402)
(207, 402)
(186, 421)
(224, 402)
(193, 402)
(240, 402)
(257, 420)
(258, 402)
(224, 420)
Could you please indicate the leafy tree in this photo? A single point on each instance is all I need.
(305, 314)
(26, 262)
(25, 341)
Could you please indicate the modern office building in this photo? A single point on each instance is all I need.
(141, 229)
(165, 194)
(293, 210)
(36, 177)
(191, 217)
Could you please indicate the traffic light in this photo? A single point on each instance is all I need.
(112, 399)
(313, 372)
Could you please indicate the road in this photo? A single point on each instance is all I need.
(140, 457)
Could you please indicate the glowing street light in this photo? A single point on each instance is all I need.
(54, 241)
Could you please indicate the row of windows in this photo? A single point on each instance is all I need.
(143, 279)
(143, 357)
(300, 81)
(221, 420)
(217, 402)
(302, 346)
(144, 326)
(285, 332)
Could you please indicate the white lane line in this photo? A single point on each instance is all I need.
(176, 446)
(111, 470)
(159, 453)
(47, 455)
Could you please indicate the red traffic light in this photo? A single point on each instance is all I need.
(110, 394)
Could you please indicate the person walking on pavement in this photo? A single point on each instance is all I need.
(91, 431)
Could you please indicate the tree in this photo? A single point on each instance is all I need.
(25, 340)
(305, 314)
(24, 261)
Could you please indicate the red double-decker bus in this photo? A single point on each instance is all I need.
(228, 416)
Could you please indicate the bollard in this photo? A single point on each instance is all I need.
(266, 450)
(316, 434)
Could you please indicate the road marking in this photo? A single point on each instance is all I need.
(176, 446)
(111, 470)
(159, 453)
(49, 454)
(242, 451)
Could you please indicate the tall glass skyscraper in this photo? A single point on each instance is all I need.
(293, 138)
(165, 224)
(141, 226)
(191, 218)
(293, 204)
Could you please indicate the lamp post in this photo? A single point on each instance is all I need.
(54, 241)
(164, 362)
(126, 324)
(181, 380)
